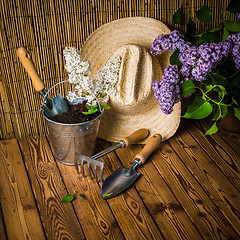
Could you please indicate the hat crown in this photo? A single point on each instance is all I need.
(135, 76)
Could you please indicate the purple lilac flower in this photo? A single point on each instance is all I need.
(238, 16)
(236, 55)
(170, 42)
(167, 91)
(199, 60)
(234, 39)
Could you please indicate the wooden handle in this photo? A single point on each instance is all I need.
(151, 145)
(136, 136)
(30, 68)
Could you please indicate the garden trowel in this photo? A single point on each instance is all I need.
(122, 178)
(52, 106)
(81, 159)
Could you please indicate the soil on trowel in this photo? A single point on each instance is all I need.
(74, 115)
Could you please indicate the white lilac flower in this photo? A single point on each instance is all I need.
(101, 85)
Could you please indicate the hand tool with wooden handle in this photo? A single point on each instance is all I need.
(124, 142)
(122, 178)
(53, 106)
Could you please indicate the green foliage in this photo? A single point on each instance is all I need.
(70, 197)
(187, 88)
(237, 112)
(204, 14)
(232, 26)
(174, 58)
(234, 6)
(219, 94)
(93, 109)
(199, 109)
(209, 37)
(191, 30)
(177, 16)
(212, 129)
(67, 198)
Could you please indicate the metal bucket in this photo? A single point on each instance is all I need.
(67, 139)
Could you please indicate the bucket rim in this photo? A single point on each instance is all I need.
(73, 124)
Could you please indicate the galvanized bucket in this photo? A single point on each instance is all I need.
(67, 139)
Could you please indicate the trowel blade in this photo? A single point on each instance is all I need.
(117, 182)
(55, 106)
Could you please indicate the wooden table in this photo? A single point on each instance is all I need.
(189, 189)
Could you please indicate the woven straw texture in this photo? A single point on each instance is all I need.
(45, 28)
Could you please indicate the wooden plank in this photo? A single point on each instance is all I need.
(218, 188)
(219, 151)
(227, 139)
(3, 232)
(167, 212)
(128, 208)
(16, 196)
(93, 212)
(59, 219)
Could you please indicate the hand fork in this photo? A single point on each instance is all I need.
(124, 142)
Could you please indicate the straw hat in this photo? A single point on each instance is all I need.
(134, 106)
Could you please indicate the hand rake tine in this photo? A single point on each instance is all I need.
(89, 169)
(82, 168)
(101, 169)
(76, 165)
(95, 172)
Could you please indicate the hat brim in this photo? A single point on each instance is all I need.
(100, 46)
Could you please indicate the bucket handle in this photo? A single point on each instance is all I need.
(45, 97)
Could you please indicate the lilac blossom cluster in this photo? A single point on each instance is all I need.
(238, 16)
(167, 91)
(234, 39)
(197, 62)
(170, 42)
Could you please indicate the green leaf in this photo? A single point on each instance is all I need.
(234, 6)
(191, 30)
(237, 112)
(216, 29)
(90, 111)
(212, 129)
(232, 26)
(82, 195)
(177, 16)
(104, 106)
(204, 14)
(219, 79)
(209, 37)
(67, 198)
(225, 34)
(91, 107)
(199, 109)
(174, 58)
(187, 88)
(235, 79)
(221, 112)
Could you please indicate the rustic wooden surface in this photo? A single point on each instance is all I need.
(188, 189)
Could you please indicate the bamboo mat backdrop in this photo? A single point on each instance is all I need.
(45, 27)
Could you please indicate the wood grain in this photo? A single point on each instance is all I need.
(94, 214)
(128, 208)
(222, 137)
(59, 219)
(16, 195)
(3, 233)
(207, 218)
(167, 212)
(218, 188)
